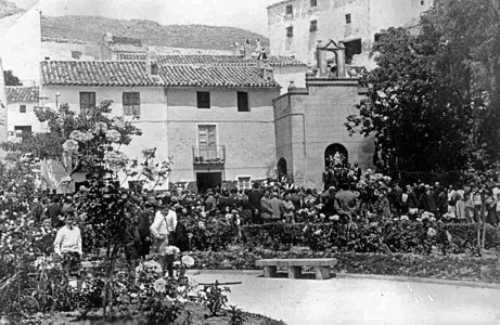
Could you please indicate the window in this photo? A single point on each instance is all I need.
(87, 101)
(289, 10)
(154, 69)
(22, 108)
(352, 48)
(207, 135)
(131, 102)
(289, 32)
(203, 99)
(314, 3)
(243, 101)
(22, 131)
(348, 19)
(313, 26)
(76, 55)
(244, 183)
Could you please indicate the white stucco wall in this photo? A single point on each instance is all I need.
(61, 50)
(20, 36)
(284, 75)
(247, 136)
(152, 121)
(16, 118)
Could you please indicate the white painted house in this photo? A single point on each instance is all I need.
(215, 121)
(21, 118)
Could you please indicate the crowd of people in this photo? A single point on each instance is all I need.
(166, 219)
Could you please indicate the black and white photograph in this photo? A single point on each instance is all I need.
(264, 162)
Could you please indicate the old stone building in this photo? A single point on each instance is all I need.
(296, 26)
(310, 122)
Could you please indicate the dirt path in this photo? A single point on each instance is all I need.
(359, 301)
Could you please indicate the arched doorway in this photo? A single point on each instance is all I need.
(336, 154)
(282, 168)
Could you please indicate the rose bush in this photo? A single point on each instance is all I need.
(389, 236)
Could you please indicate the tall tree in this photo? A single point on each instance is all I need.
(433, 99)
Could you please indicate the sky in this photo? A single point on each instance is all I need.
(247, 14)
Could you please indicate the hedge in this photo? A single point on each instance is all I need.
(394, 237)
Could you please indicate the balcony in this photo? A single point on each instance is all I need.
(209, 155)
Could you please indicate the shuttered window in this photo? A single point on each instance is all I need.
(203, 99)
(131, 103)
(242, 98)
(87, 101)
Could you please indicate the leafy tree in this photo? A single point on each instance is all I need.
(11, 79)
(476, 46)
(427, 107)
(90, 142)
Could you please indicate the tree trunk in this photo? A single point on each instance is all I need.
(111, 263)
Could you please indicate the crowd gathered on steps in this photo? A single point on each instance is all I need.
(349, 196)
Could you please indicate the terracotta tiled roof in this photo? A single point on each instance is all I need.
(133, 73)
(274, 61)
(98, 73)
(215, 76)
(19, 94)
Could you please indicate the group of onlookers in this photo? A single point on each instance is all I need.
(166, 219)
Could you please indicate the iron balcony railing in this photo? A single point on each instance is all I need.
(209, 154)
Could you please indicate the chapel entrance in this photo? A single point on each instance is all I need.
(208, 180)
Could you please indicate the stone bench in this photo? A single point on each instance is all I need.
(322, 266)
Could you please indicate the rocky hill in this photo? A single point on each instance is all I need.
(91, 28)
(8, 8)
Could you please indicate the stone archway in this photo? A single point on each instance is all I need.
(282, 168)
(336, 151)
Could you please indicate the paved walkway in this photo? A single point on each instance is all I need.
(359, 301)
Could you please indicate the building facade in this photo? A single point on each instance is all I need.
(215, 122)
(296, 26)
(137, 95)
(310, 126)
(21, 117)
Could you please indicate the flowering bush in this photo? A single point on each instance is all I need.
(115, 160)
(113, 136)
(81, 136)
(70, 146)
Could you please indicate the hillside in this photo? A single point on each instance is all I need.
(92, 28)
(8, 8)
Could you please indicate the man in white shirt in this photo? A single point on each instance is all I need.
(68, 245)
(162, 229)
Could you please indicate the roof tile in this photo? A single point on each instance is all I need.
(133, 73)
(98, 73)
(19, 94)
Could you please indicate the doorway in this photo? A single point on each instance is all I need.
(336, 154)
(205, 181)
(282, 168)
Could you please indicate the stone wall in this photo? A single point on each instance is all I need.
(368, 17)
(318, 115)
